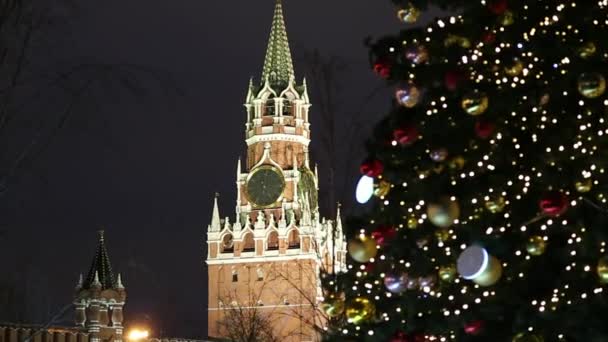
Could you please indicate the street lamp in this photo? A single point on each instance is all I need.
(137, 334)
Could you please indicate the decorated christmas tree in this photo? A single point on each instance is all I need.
(486, 184)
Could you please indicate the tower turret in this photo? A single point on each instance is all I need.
(100, 298)
(216, 224)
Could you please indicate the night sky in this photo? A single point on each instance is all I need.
(146, 167)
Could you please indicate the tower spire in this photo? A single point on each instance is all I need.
(278, 65)
(101, 269)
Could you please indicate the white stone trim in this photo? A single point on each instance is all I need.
(244, 255)
(266, 91)
(278, 137)
(266, 158)
(272, 253)
(293, 251)
(262, 259)
(290, 89)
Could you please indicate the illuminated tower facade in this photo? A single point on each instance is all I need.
(267, 258)
(100, 298)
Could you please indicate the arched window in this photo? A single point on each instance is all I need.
(248, 243)
(227, 244)
(287, 108)
(273, 241)
(269, 108)
(293, 239)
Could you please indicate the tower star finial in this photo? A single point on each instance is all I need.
(278, 65)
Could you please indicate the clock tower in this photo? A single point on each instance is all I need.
(267, 258)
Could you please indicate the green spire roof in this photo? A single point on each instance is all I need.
(278, 66)
(100, 266)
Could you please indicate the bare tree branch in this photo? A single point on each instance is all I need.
(341, 122)
(244, 321)
(30, 81)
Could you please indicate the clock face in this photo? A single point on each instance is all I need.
(265, 186)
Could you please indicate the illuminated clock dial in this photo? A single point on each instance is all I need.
(265, 186)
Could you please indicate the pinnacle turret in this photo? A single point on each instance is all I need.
(278, 65)
(119, 284)
(80, 282)
(215, 218)
(96, 282)
(338, 230)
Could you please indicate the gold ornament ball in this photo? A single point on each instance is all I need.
(475, 103)
(457, 163)
(442, 235)
(491, 275)
(515, 68)
(443, 213)
(477, 265)
(447, 273)
(360, 310)
(587, 50)
(507, 19)
(591, 85)
(409, 14)
(584, 186)
(362, 249)
(333, 306)
(526, 337)
(412, 222)
(536, 245)
(496, 205)
(453, 39)
(382, 188)
(602, 269)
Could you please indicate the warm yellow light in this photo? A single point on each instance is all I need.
(137, 334)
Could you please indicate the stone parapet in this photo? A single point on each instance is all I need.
(21, 332)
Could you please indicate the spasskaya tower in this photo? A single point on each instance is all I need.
(276, 240)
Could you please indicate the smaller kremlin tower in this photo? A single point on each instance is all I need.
(100, 298)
